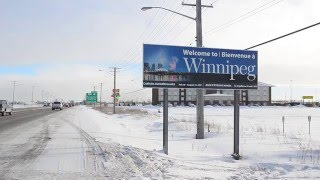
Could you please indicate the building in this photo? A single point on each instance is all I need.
(260, 96)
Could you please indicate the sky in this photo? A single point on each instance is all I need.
(59, 46)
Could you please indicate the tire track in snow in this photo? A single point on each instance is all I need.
(95, 149)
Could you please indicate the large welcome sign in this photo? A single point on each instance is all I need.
(189, 67)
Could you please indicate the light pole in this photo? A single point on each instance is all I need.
(200, 97)
(290, 90)
(42, 96)
(114, 86)
(14, 88)
(100, 93)
(32, 95)
(94, 90)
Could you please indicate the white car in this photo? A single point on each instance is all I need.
(5, 108)
(57, 105)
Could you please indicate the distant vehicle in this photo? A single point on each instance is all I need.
(191, 104)
(5, 108)
(46, 104)
(57, 105)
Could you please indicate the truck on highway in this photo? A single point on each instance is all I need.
(5, 108)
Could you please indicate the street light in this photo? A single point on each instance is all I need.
(147, 8)
(32, 95)
(14, 89)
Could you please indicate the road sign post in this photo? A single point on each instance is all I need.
(309, 119)
(165, 121)
(236, 154)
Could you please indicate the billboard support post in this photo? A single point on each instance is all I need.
(165, 121)
(236, 154)
(309, 119)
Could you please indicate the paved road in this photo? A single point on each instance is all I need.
(22, 116)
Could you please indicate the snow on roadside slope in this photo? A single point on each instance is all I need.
(266, 152)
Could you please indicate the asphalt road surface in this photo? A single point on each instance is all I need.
(22, 116)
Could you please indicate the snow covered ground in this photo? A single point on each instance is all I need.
(83, 143)
(266, 151)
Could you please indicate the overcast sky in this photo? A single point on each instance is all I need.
(58, 46)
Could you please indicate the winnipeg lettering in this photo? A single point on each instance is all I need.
(199, 65)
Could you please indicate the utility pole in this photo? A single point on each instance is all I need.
(100, 93)
(200, 97)
(114, 87)
(290, 90)
(14, 88)
(42, 96)
(94, 103)
(32, 95)
(200, 94)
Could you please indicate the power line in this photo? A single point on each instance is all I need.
(167, 22)
(280, 37)
(240, 18)
(133, 60)
(172, 28)
(132, 50)
(153, 36)
(132, 63)
(243, 16)
(135, 91)
(186, 27)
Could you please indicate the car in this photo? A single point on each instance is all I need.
(5, 108)
(57, 105)
(191, 104)
(46, 104)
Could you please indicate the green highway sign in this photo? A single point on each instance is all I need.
(92, 97)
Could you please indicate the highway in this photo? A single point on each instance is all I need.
(23, 116)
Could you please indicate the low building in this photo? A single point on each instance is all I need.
(260, 96)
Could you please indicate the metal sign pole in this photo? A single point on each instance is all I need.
(165, 121)
(282, 124)
(236, 154)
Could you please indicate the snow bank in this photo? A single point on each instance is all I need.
(266, 151)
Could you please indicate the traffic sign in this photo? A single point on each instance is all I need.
(92, 97)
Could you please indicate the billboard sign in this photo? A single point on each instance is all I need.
(190, 67)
